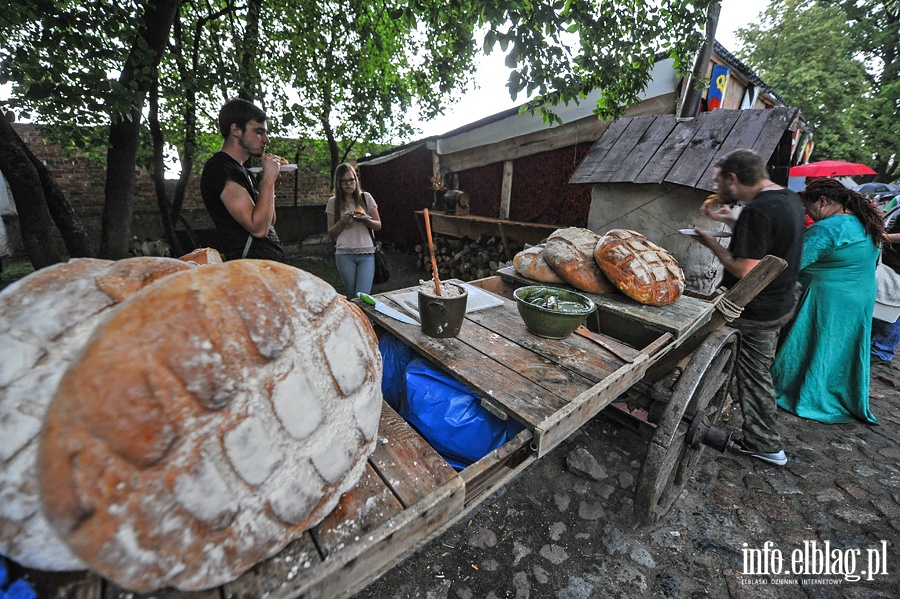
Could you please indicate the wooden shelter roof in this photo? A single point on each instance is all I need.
(660, 149)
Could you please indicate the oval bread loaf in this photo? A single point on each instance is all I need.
(209, 421)
(640, 269)
(45, 319)
(530, 263)
(570, 253)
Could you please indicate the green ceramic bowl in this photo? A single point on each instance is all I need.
(552, 312)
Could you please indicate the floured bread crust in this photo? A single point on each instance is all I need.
(45, 319)
(570, 253)
(203, 256)
(530, 263)
(641, 269)
(209, 421)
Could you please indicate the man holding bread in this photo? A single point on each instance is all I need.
(243, 210)
(770, 222)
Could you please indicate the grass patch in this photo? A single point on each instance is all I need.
(13, 270)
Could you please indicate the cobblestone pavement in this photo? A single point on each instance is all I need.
(552, 533)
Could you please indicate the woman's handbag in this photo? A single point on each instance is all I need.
(888, 281)
(382, 274)
(887, 278)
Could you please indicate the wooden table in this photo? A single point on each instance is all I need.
(551, 386)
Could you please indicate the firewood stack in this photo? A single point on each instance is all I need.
(466, 259)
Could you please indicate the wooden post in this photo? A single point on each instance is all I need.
(506, 189)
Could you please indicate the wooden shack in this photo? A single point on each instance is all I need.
(652, 173)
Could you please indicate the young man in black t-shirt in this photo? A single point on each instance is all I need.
(771, 222)
(242, 210)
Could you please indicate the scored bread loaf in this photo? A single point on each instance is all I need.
(530, 263)
(570, 253)
(208, 422)
(640, 269)
(45, 319)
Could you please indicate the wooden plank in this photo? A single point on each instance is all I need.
(409, 465)
(473, 226)
(704, 147)
(680, 318)
(573, 355)
(566, 421)
(115, 592)
(643, 152)
(586, 171)
(781, 121)
(480, 476)
(492, 380)
(280, 574)
(746, 131)
(495, 285)
(506, 189)
(669, 153)
(607, 170)
(375, 552)
(359, 512)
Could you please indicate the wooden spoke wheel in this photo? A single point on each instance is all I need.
(697, 401)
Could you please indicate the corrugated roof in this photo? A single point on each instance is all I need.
(660, 149)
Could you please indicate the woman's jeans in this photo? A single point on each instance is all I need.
(885, 337)
(357, 272)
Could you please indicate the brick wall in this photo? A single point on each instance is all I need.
(83, 181)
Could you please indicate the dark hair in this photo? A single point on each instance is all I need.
(238, 112)
(339, 172)
(746, 164)
(834, 191)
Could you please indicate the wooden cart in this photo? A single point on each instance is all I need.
(665, 371)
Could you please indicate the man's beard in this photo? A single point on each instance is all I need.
(249, 150)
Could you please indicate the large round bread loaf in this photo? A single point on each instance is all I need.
(530, 263)
(209, 421)
(45, 319)
(641, 269)
(570, 253)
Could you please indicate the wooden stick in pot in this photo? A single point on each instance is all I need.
(437, 281)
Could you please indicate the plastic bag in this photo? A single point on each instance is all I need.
(444, 411)
(395, 356)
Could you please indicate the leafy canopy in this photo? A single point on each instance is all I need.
(837, 62)
(355, 67)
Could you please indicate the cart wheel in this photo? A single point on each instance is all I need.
(697, 403)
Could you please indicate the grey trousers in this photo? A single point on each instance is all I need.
(756, 393)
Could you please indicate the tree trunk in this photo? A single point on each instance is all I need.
(73, 232)
(121, 158)
(28, 196)
(250, 81)
(159, 172)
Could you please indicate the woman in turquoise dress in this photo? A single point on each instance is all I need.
(821, 371)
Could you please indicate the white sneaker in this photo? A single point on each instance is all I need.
(779, 458)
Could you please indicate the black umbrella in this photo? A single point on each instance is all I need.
(877, 188)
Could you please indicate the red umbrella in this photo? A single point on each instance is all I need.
(830, 168)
